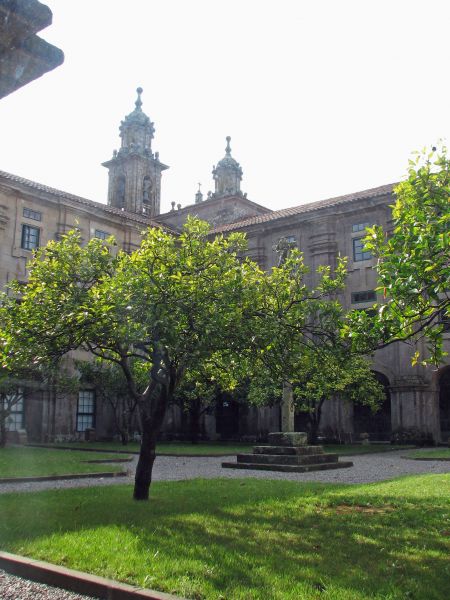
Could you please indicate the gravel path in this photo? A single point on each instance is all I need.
(16, 588)
(367, 468)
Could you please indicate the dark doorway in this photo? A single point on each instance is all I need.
(377, 425)
(301, 421)
(227, 418)
(444, 403)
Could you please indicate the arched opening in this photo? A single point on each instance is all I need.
(444, 403)
(120, 191)
(146, 190)
(377, 425)
(227, 417)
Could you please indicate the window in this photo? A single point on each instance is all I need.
(358, 250)
(30, 237)
(366, 296)
(13, 404)
(101, 235)
(359, 227)
(86, 410)
(32, 214)
(291, 240)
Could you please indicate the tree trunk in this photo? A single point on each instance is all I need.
(314, 423)
(152, 416)
(144, 468)
(2, 430)
(313, 429)
(194, 422)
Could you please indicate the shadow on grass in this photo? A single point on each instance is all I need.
(247, 538)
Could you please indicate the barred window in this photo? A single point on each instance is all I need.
(101, 235)
(358, 250)
(32, 214)
(85, 410)
(359, 227)
(365, 296)
(30, 237)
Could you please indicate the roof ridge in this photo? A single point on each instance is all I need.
(67, 195)
(307, 207)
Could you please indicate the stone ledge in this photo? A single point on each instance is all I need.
(76, 581)
(61, 477)
(288, 468)
(441, 459)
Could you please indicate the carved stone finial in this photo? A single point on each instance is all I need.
(282, 248)
(228, 148)
(138, 102)
(173, 205)
(199, 195)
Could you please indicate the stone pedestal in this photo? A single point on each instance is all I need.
(287, 452)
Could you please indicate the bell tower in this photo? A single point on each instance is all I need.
(227, 175)
(135, 171)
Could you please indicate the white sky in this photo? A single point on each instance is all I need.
(320, 97)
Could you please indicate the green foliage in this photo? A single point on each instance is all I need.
(413, 262)
(297, 341)
(111, 387)
(160, 311)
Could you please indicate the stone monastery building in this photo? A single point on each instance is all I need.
(31, 214)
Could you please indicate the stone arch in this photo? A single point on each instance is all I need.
(227, 417)
(377, 425)
(444, 402)
(120, 185)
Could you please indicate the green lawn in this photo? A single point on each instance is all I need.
(219, 449)
(29, 462)
(181, 448)
(430, 453)
(247, 539)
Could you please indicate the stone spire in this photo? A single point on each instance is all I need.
(227, 175)
(135, 171)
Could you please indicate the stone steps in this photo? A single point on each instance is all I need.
(288, 468)
(288, 452)
(287, 459)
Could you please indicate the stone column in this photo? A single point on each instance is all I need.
(415, 404)
(287, 409)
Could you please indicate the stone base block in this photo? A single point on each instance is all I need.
(289, 459)
(288, 468)
(299, 450)
(288, 438)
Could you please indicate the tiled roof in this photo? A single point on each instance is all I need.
(79, 200)
(305, 208)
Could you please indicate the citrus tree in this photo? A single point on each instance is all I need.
(413, 263)
(155, 313)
